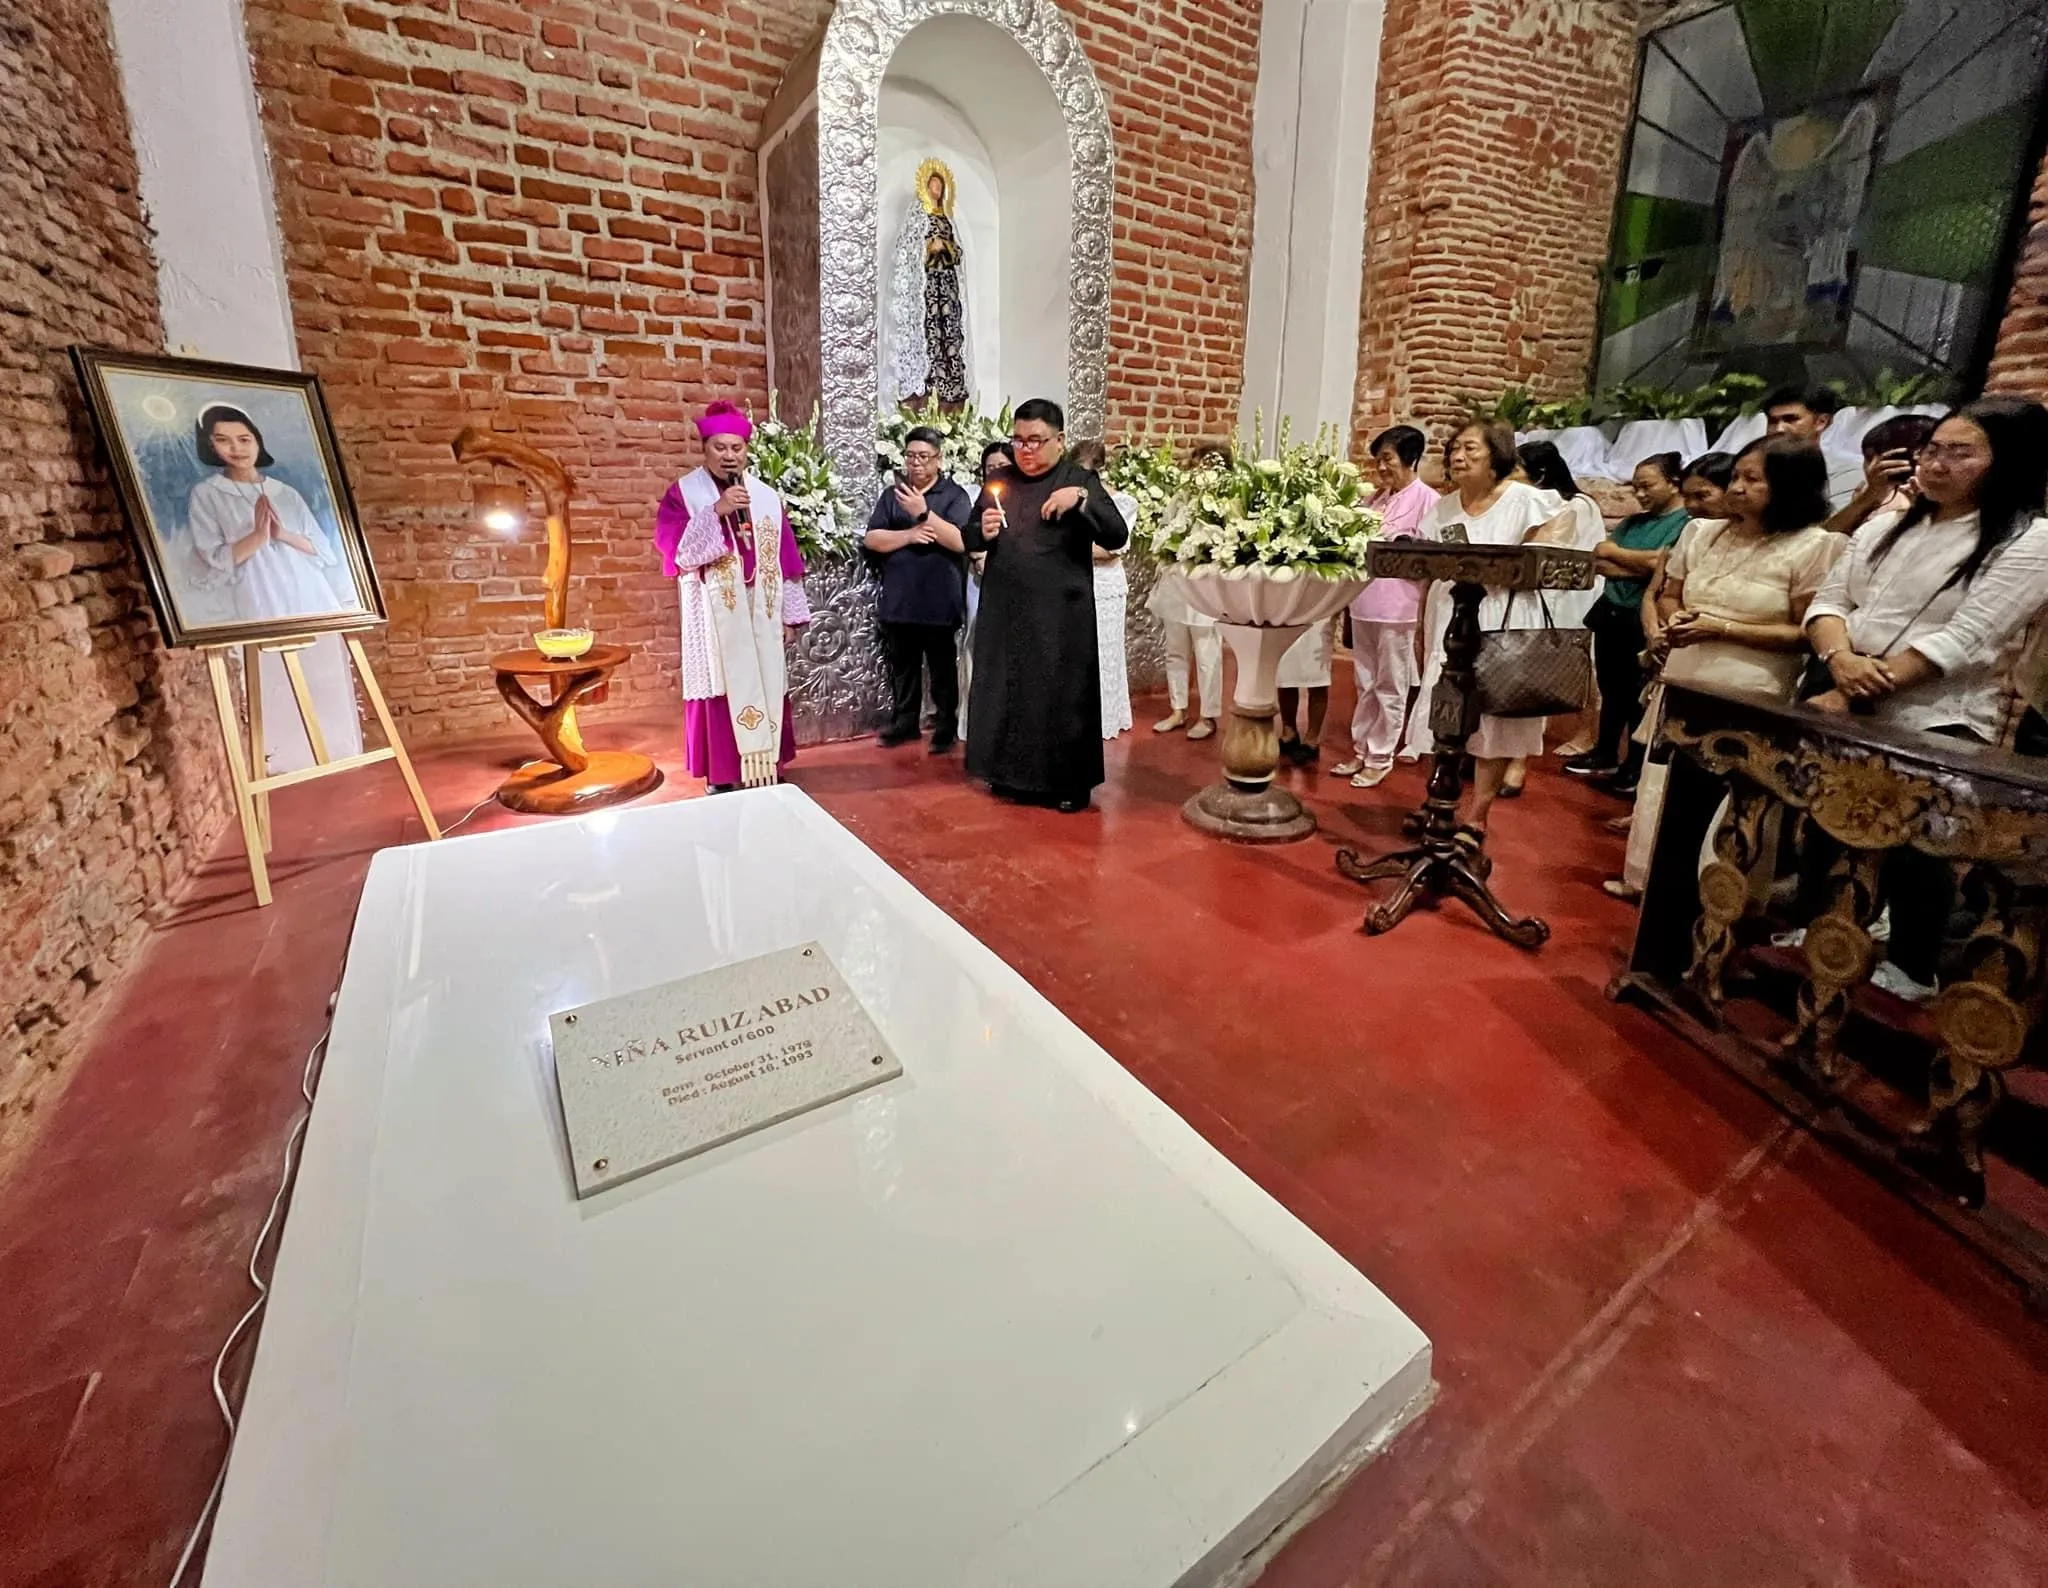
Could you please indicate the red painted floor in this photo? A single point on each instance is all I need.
(1678, 1343)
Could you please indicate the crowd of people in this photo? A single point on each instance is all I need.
(1910, 590)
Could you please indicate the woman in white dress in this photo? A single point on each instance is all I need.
(1112, 596)
(254, 535)
(1495, 510)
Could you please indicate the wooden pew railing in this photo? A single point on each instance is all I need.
(1943, 1100)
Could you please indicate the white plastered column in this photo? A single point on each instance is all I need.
(220, 268)
(1311, 155)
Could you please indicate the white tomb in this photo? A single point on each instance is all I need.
(1004, 1319)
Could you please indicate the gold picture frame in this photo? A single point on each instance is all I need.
(235, 492)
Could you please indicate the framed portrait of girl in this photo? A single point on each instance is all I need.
(235, 491)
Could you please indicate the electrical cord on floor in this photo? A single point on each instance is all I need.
(466, 815)
(308, 1084)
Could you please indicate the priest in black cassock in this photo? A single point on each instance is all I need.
(1036, 700)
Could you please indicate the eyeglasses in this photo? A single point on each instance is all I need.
(921, 455)
(1951, 452)
(1032, 443)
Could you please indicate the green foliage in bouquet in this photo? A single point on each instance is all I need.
(1887, 390)
(1563, 413)
(962, 436)
(1301, 513)
(1153, 477)
(1722, 401)
(1524, 410)
(1719, 403)
(793, 460)
(1636, 401)
(1511, 407)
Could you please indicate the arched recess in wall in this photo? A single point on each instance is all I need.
(823, 268)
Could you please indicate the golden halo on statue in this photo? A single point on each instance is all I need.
(925, 173)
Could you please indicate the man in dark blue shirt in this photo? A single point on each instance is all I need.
(915, 531)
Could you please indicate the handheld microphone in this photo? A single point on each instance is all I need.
(743, 520)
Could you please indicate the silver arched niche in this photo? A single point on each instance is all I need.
(859, 40)
(824, 322)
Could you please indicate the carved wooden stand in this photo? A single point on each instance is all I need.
(1443, 862)
(575, 779)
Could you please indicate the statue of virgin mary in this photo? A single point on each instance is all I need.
(926, 351)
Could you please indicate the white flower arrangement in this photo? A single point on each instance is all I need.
(1154, 479)
(962, 435)
(792, 459)
(1299, 514)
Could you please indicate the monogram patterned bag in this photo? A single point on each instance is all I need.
(1546, 672)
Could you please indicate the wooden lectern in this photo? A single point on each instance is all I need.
(1438, 864)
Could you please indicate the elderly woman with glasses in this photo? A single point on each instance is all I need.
(1036, 700)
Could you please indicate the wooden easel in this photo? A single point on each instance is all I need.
(252, 794)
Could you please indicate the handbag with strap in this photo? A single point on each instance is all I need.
(1546, 672)
(1817, 678)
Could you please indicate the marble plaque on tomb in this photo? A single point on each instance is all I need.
(656, 1075)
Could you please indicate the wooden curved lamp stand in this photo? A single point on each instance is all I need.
(573, 779)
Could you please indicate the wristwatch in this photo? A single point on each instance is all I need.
(921, 518)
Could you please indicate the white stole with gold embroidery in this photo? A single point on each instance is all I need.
(743, 624)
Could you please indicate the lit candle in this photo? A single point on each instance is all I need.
(997, 492)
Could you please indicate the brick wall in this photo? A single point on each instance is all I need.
(1497, 146)
(544, 216)
(109, 783)
(2019, 361)
(1180, 76)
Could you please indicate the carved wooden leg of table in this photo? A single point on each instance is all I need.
(1725, 894)
(1983, 1020)
(1448, 861)
(1840, 955)
(573, 779)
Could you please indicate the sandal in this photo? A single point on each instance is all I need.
(1615, 888)
(1349, 768)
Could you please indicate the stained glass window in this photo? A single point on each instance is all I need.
(1823, 190)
